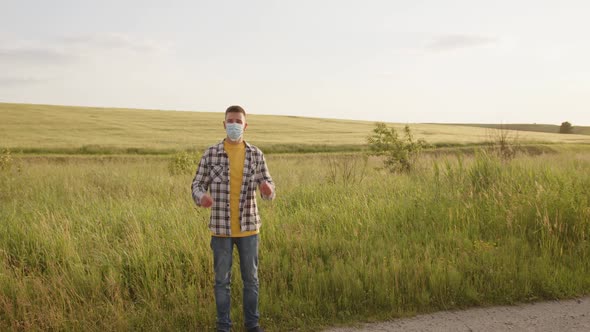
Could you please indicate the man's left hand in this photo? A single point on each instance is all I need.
(266, 189)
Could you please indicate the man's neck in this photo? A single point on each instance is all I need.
(239, 141)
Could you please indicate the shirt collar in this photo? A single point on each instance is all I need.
(221, 150)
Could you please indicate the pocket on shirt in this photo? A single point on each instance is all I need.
(218, 174)
(250, 174)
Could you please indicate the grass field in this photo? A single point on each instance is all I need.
(92, 243)
(114, 242)
(60, 129)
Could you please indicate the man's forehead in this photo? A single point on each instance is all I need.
(235, 116)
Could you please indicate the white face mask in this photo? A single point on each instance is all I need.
(234, 131)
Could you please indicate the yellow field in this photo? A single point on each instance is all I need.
(46, 128)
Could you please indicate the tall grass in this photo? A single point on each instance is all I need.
(108, 244)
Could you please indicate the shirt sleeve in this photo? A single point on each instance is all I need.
(264, 175)
(201, 181)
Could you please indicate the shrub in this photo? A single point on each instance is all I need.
(184, 163)
(6, 161)
(400, 152)
(503, 142)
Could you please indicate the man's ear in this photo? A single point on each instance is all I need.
(245, 125)
(224, 125)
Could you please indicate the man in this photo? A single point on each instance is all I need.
(231, 171)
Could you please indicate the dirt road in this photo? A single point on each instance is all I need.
(568, 315)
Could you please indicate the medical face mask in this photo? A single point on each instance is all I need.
(234, 131)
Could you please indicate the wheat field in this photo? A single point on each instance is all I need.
(45, 128)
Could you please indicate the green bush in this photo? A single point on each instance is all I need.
(400, 153)
(184, 163)
(6, 160)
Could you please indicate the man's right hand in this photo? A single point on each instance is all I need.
(206, 201)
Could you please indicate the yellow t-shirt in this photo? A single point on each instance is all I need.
(236, 154)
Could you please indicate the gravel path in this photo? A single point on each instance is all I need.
(568, 315)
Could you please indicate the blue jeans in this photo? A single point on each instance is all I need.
(222, 261)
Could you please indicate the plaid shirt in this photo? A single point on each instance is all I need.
(213, 175)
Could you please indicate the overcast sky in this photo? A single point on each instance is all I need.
(402, 61)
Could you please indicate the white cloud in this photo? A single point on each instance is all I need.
(70, 50)
(35, 54)
(18, 81)
(459, 41)
(114, 41)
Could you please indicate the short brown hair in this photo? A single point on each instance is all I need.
(235, 109)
